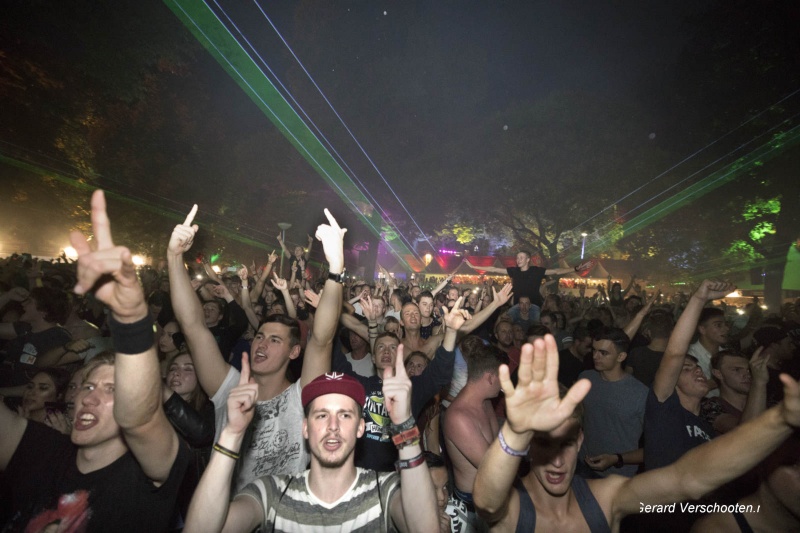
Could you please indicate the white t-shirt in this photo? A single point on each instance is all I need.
(274, 441)
(363, 367)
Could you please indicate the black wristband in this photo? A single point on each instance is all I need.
(131, 339)
(620, 463)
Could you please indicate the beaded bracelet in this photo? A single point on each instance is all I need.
(508, 449)
(131, 339)
(225, 451)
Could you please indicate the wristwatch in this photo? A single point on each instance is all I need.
(338, 278)
(620, 463)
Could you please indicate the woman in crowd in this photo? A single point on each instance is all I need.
(170, 342)
(46, 386)
(192, 415)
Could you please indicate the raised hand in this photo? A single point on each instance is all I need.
(242, 399)
(183, 235)
(397, 390)
(106, 269)
(601, 462)
(332, 238)
(279, 283)
(312, 298)
(758, 367)
(272, 257)
(370, 311)
(18, 294)
(59, 422)
(503, 296)
(221, 291)
(455, 317)
(712, 290)
(649, 304)
(535, 404)
(243, 274)
(790, 406)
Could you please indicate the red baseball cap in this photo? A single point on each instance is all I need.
(334, 383)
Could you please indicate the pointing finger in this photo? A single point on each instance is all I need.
(400, 364)
(100, 222)
(331, 220)
(244, 377)
(190, 216)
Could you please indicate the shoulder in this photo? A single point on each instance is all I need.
(605, 491)
(40, 447)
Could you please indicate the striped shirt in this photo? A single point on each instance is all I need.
(289, 505)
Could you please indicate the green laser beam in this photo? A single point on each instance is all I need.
(767, 151)
(223, 46)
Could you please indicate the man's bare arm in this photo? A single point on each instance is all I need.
(492, 269)
(499, 300)
(672, 361)
(317, 360)
(209, 509)
(414, 509)
(533, 405)
(757, 397)
(281, 284)
(355, 325)
(109, 271)
(211, 367)
(633, 325)
(716, 462)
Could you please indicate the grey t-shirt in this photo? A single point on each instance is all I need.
(274, 443)
(613, 419)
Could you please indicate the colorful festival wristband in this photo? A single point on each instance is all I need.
(405, 464)
(508, 449)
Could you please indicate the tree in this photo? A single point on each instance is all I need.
(554, 166)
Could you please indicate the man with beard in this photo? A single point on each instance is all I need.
(334, 494)
(375, 450)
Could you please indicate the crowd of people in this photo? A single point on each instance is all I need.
(169, 399)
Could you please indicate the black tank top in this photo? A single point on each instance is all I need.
(590, 509)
